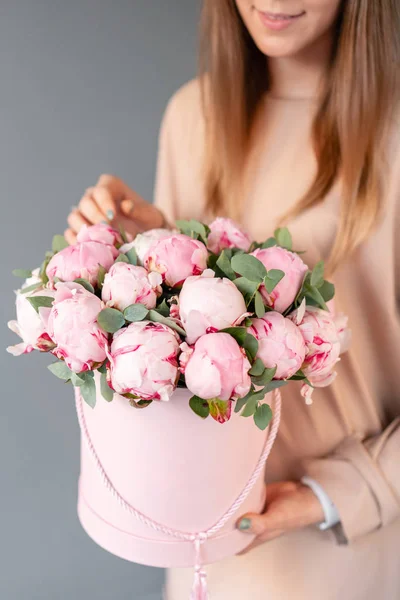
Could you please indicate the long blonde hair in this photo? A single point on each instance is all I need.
(349, 128)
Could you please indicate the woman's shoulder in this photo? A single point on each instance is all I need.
(185, 105)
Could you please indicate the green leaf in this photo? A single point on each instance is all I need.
(246, 287)
(317, 275)
(224, 264)
(277, 383)
(24, 273)
(269, 243)
(157, 318)
(101, 275)
(59, 243)
(88, 286)
(60, 370)
(327, 291)
(240, 402)
(31, 288)
(123, 234)
(274, 276)
(250, 407)
(122, 258)
(299, 376)
(314, 293)
(132, 256)
(258, 368)
(248, 322)
(251, 345)
(38, 301)
(103, 367)
(249, 266)
(239, 333)
(163, 309)
(77, 380)
(263, 416)
(199, 406)
(259, 305)
(193, 227)
(111, 320)
(105, 389)
(88, 391)
(135, 312)
(265, 378)
(283, 238)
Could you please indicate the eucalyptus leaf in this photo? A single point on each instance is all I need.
(24, 273)
(105, 389)
(263, 416)
(59, 243)
(269, 243)
(327, 290)
(259, 305)
(314, 293)
(283, 238)
(163, 309)
(246, 287)
(103, 367)
(132, 256)
(265, 378)
(224, 264)
(274, 276)
(101, 275)
(88, 392)
(249, 266)
(258, 368)
(239, 333)
(199, 406)
(77, 380)
(123, 234)
(317, 275)
(86, 284)
(31, 288)
(193, 227)
(250, 406)
(240, 402)
(39, 301)
(135, 312)
(122, 258)
(251, 345)
(275, 384)
(60, 370)
(111, 320)
(154, 316)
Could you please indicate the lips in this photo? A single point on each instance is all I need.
(281, 16)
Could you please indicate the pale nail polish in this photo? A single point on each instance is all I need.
(244, 524)
(110, 214)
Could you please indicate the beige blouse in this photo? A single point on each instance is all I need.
(349, 439)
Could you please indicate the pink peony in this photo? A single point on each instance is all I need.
(322, 341)
(225, 233)
(344, 332)
(216, 368)
(105, 234)
(176, 258)
(280, 344)
(143, 361)
(143, 242)
(126, 284)
(29, 324)
(81, 261)
(208, 304)
(72, 325)
(287, 289)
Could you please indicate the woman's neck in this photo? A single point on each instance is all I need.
(300, 76)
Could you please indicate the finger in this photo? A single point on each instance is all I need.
(262, 539)
(117, 186)
(105, 201)
(90, 210)
(70, 236)
(76, 221)
(143, 213)
(276, 489)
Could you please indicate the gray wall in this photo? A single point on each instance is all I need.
(83, 87)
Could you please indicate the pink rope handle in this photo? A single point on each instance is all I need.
(200, 537)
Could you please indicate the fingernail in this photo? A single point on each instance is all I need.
(244, 524)
(104, 222)
(110, 214)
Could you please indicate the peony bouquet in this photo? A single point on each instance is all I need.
(201, 307)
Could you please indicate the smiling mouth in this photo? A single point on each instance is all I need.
(280, 16)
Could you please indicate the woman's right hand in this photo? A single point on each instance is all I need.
(112, 201)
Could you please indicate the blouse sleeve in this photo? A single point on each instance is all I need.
(362, 476)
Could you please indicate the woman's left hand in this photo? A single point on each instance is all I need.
(290, 505)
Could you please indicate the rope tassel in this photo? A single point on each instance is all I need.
(199, 589)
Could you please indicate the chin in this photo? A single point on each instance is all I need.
(278, 48)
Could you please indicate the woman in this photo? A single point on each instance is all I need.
(297, 120)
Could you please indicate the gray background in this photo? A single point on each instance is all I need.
(83, 87)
